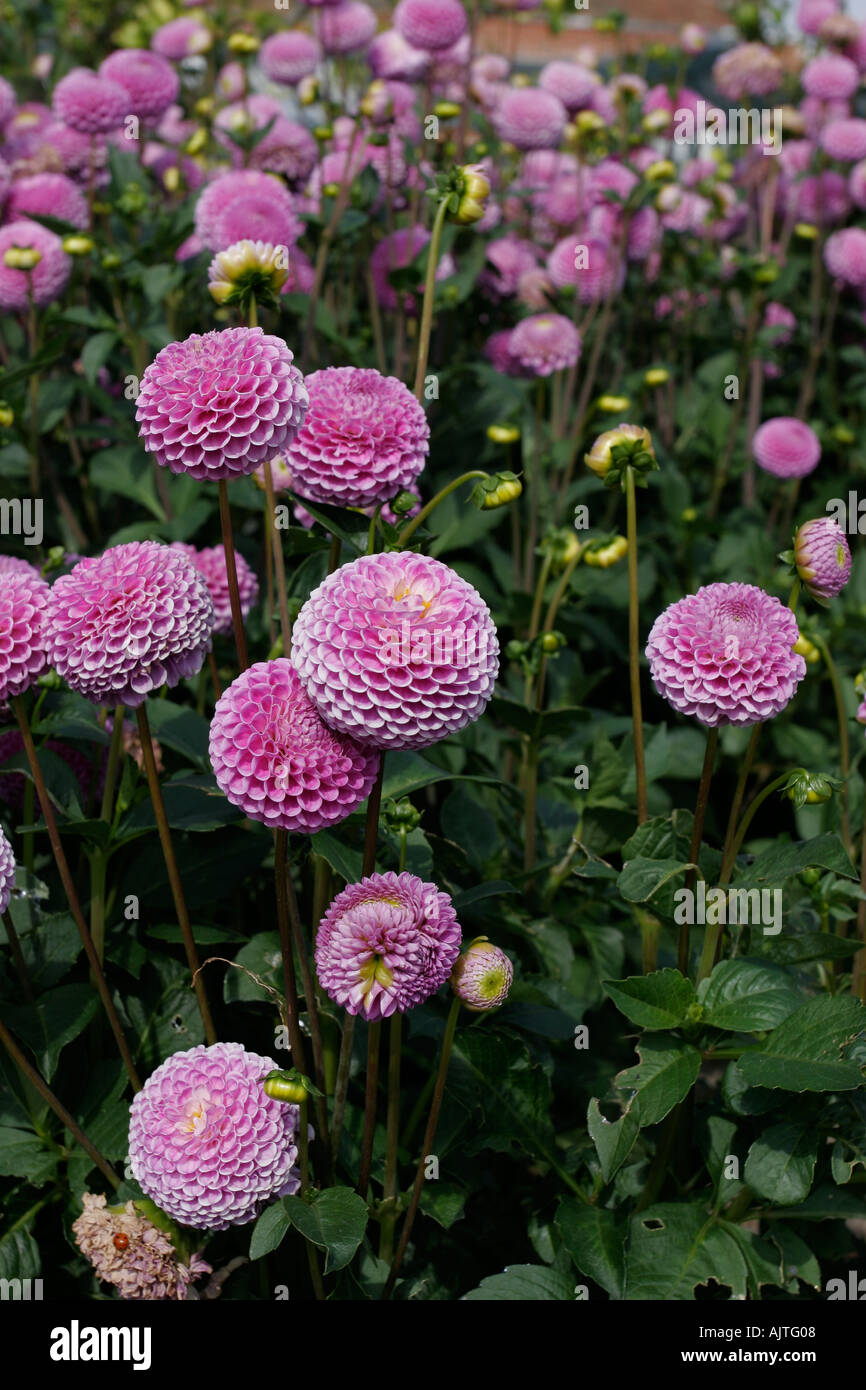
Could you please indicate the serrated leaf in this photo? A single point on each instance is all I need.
(613, 1139)
(523, 1284)
(673, 1247)
(55, 1019)
(747, 996)
(595, 1240)
(269, 1230)
(666, 1072)
(335, 1220)
(642, 878)
(781, 862)
(780, 1165)
(24, 1155)
(802, 1054)
(658, 1000)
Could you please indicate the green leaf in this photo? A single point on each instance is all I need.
(408, 772)
(192, 802)
(642, 878)
(667, 1070)
(763, 1258)
(180, 728)
(55, 1019)
(659, 1000)
(19, 1254)
(444, 1202)
(781, 862)
(344, 860)
(613, 1139)
(802, 1054)
(523, 1284)
(335, 1220)
(514, 1091)
(747, 996)
(269, 1230)
(95, 353)
(595, 1240)
(24, 1155)
(673, 1247)
(781, 1162)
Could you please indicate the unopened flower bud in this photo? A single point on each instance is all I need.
(503, 434)
(661, 171)
(7, 416)
(446, 110)
(807, 650)
(285, 1086)
(497, 490)
(308, 90)
(656, 121)
(613, 405)
(77, 245)
(204, 107)
(627, 446)
(240, 42)
(588, 122)
(482, 976)
(822, 557)
(197, 141)
(607, 554)
(22, 258)
(806, 231)
(656, 376)
(171, 179)
(809, 788)
(552, 642)
(843, 435)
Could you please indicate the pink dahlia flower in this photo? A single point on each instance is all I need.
(725, 655)
(7, 872)
(90, 103)
(151, 84)
(572, 83)
(845, 255)
(275, 758)
(857, 184)
(347, 27)
(127, 622)
(238, 186)
(396, 650)
(750, 69)
(844, 140)
(216, 406)
(289, 56)
(15, 564)
(8, 102)
(545, 343)
(364, 439)
(386, 944)
(430, 24)
(23, 601)
(205, 1142)
(52, 195)
(830, 76)
(782, 322)
(482, 977)
(211, 562)
(256, 217)
(390, 56)
(130, 1252)
(12, 784)
(395, 252)
(510, 257)
(812, 13)
(822, 198)
(181, 38)
(46, 281)
(786, 447)
(531, 118)
(77, 152)
(822, 557)
(497, 350)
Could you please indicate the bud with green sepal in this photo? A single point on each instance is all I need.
(810, 788)
(620, 449)
(496, 490)
(290, 1086)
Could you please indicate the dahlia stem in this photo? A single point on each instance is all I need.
(429, 1136)
(60, 1110)
(312, 1013)
(278, 559)
(284, 923)
(371, 830)
(172, 870)
(214, 675)
(33, 392)
(409, 530)
(858, 975)
(392, 1131)
(697, 834)
(341, 1086)
(71, 895)
(739, 791)
(429, 296)
(633, 648)
(844, 744)
(374, 1035)
(18, 956)
(232, 574)
(376, 323)
(341, 202)
(114, 751)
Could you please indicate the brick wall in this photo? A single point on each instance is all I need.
(525, 38)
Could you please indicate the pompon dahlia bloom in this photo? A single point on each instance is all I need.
(53, 195)
(256, 217)
(12, 784)
(127, 622)
(364, 438)
(482, 976)
(15, 564)
(90, 103)
(750, 69)
(786, 447)
(347, 27)
(844, 140)
(7, 872)
(545, 343)
(572, 83)
(430, 24)
(130, 1252)
(845, 255)
(275, 758)
(48, 278)
(396, 650)
(238, 186)
(23, 601)
(181, 38)
(211, 562)
(830, 76)
(205, 1142)
(386, 944)
(290, 56)
(151, 84)
(217, 405)
(822, 557)
(497, 350)
(725, 655)
(530, 118)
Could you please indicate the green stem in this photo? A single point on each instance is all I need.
(279, 564)
(232, 575)
(114, 752)
(392, 1128)
(409, 530)
(429, 296)
(633, 649)
(370, 1097)
(697, 834)
(844, 744)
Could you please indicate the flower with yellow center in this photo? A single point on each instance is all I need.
(248, 269)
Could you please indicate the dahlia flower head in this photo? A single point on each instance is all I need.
(181, 38)
(48, 278)
(237, 187)
(53, 195)
(812, 13)
(845, 255)
(430, 24)
(347, 27)
(144, 1266)
(219, 404)
(822, 557)
(23, 601)
(386, 944)
(830, 76)
(750, 69)
(725, 655)
(90, 103)
(289, 56)
(7, 872)
(211, 562)
(396, 650)
(844, 139)
(545, 343)
(129, 621)
(151, 84)
(482, 977)
(205, 1142)
(16, 564)
(572, 83)
(390, 56)
(277, 760)
(510, 256)
(530, 118)
(8, 102)
(364, 438)
(786, 447)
